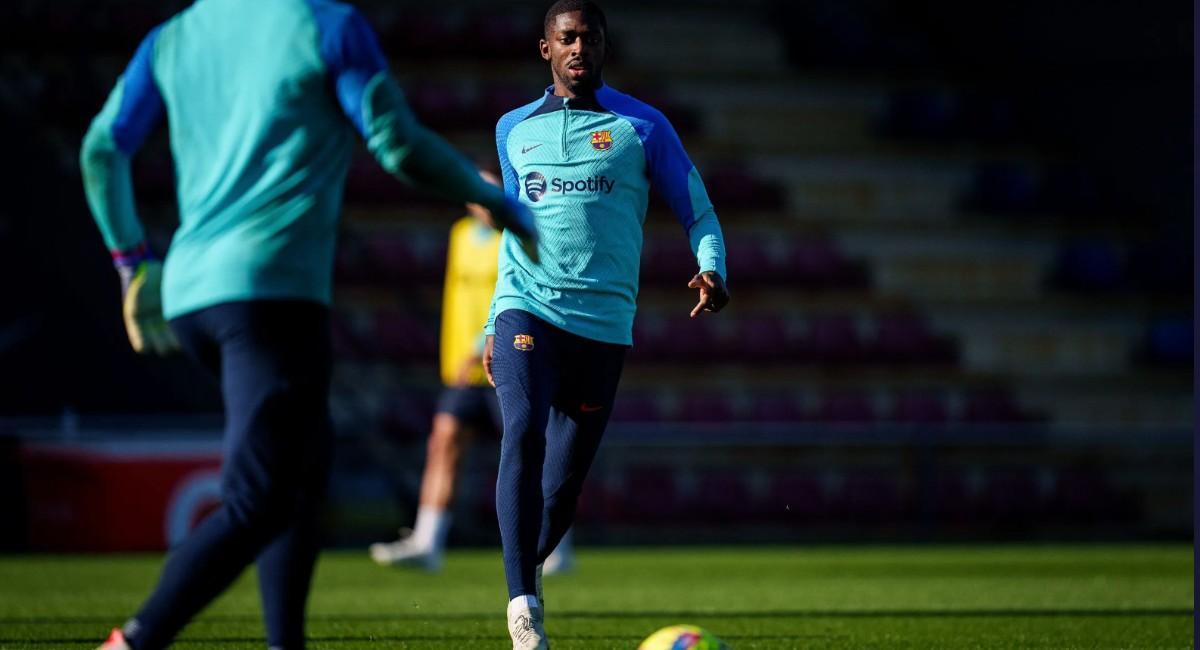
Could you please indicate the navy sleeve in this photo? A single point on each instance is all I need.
(352, 54)
(141, 108)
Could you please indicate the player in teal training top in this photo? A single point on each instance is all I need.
(583, 158)
(263, 100)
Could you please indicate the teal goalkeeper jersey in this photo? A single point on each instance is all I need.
(585, 172)
(263, 100)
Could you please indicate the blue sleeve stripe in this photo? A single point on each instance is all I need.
(504, 127)
(666, 161)
(351, 54)
(141, 103)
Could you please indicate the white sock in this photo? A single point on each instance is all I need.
(433, 524)
(564, 547)
(524, 601)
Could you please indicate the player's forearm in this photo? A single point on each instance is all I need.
(708, 244)
(108, 185)
(434, 164)
(417, 155)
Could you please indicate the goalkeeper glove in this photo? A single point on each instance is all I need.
(141, 289)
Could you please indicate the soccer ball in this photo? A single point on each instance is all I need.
(682, 637)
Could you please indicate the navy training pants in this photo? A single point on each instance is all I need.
(556, 393)
(273, 361)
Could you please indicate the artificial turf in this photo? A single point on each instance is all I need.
(1043, 596)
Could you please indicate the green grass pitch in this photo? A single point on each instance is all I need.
(1051, 596)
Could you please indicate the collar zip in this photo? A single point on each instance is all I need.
(565, 124)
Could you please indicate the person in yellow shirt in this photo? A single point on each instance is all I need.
(467, 405)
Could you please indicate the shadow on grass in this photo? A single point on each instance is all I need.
(583, 615)
(350, 638)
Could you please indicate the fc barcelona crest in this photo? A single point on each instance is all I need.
(523, 342)
(602, 140)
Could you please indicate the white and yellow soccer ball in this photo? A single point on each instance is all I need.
(682, 637)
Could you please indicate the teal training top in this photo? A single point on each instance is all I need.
(263, 100)
(585, 172)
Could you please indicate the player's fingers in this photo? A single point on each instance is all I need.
(133, 329)
(694, 283)
(136, 341)
(487, 369)
(699, 306)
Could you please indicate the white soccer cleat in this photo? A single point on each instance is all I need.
(407, 553)
(525, 625)
(561, 561)
(115, 641)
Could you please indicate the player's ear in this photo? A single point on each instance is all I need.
(544, 49)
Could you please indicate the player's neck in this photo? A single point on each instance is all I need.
(582, 94)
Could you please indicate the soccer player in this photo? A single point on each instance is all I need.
(262, 100)
(582, 157)
(467, 405)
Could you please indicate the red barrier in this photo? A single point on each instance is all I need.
(130, 496)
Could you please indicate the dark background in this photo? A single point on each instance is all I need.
(960, 249)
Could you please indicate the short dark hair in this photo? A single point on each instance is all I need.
(591, 12)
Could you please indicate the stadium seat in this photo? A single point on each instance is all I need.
(407, 256)
(795, 496)
(1011, 496)
(440, 106)
(919, 408)
(720, 497)
(931, 114)
(502, 35)
(649, 495)
(731, 185)
(707, 407)
(833, 339)
(993, 407)
(635, 407)
(947, 497)
(406, 415)
(1171, 342)
(870, 495)
(906, 338)
(1002, 187)
(1089, 265)
(1071, 190)
(1163, 266)
(776, 407)
(847, 408)
(403, 337)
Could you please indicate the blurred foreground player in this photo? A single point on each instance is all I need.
(467, 406)
(582, 157)
(262, 100)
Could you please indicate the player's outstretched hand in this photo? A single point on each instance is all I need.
(144, 323)
(487, 359)
(518, 220)
(713, 294)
